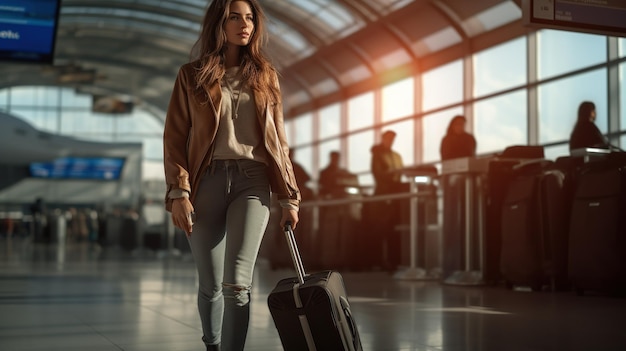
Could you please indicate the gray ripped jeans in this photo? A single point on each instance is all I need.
(232, 211)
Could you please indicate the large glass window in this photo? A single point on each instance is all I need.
(500, 67)
(303, 131)
(304, 156)
(359, 155)
(46, 120)
(559, 101)
(398, 99)
(34, 97)
(500, 122)
(66, 112)
(443, 86)
(330, 121)
(140, 119)
(434, 128)
(4, 99)
(361, 111)
(562, 51)
(622, 47)
(95, 128)
(73, 99)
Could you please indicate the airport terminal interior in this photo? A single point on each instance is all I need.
(517, 245)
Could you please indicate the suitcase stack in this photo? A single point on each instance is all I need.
(597, 236)
(501, 172)
(311, 312)
(534, 228)
(337, 231)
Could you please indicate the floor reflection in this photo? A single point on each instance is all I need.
(55, 297)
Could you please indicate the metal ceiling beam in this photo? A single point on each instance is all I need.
(155, 8)
(451, 16)
(310, 35)
(365, 11)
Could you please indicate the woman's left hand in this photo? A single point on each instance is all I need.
(289, 215)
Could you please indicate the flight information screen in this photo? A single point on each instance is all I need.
(607, 17)
(28, 30)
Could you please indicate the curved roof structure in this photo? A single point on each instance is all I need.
(326, 50)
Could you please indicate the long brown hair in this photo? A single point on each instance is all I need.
(584, 111)
(210, 47)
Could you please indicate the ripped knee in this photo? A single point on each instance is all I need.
(239, 293)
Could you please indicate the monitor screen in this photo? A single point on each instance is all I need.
(28, 30)
(96, 168)
(604, 17)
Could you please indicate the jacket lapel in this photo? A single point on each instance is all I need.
(215, 99)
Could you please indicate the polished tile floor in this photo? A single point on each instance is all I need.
(81, 297)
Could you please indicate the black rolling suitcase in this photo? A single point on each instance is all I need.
(597, 236)
(534, 228)
(311, 312)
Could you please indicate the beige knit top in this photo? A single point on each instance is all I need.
(239, 133)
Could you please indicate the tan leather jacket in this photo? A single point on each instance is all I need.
(190, 128)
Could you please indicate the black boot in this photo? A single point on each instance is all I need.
(213, 347)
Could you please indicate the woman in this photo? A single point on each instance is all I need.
(224, 150)
(585, 132)
(457, 142)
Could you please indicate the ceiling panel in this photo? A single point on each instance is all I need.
(420, 23)
(492, 18)
(322, 47)
(314, 74)
(465, 9)
(350, 67)
(376, 44)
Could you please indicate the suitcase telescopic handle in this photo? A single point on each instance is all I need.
(295, 254)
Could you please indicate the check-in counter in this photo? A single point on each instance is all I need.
(473, 189)
(463, 185)
(423, 194)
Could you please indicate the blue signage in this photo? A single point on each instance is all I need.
(97, 168)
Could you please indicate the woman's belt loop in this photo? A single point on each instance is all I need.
(239, 168)
(212, 166)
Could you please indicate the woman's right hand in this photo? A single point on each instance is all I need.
(181, 214)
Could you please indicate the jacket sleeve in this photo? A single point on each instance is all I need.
(294, 198)
(175, 138)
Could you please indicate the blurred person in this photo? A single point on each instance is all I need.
(39, 212)
(335, 244)
(457, 142)
(334, 179)
(585, 132)
(386, 166)
(9, 226)
(225, 149)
